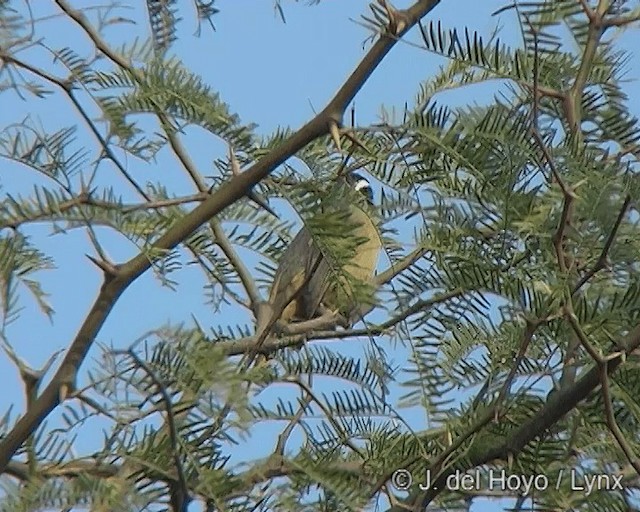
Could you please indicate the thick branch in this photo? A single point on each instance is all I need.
(557, 406)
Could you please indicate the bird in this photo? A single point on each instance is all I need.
(306, 283)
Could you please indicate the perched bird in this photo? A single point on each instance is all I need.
(307, 281)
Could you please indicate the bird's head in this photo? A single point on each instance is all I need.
(360, 184)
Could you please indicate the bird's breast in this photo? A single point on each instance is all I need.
(347, 295)
(364, 263)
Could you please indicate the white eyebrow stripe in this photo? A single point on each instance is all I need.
(360, 184)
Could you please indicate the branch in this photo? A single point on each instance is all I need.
(180, 498)
(573, 103)
(620, 21)
(62, 207)
(222, 240)
(602, 259)
(611, 421)
(227, 194)
(284, 436)
(271, 345)
(74, 469)
(569, 196)
(557, 406)
(65, 86)
(397, 268)
(85, 199)
(327, 320)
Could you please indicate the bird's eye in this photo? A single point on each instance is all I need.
(367, 193)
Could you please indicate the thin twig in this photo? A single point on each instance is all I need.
(611, 420)
(286, 433)
(329, 416)
(602, 259)
(65, 86)
(221, 238)
(567, 192)
(584, 341)
(398, 267)
(171, 422)
(242, 346)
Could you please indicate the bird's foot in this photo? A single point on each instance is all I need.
(337, 318)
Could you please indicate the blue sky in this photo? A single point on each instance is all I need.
(271, 74)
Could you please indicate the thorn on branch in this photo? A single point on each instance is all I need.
(397, 23)
(66, 389)
(335, 134)
(30, 377)
(108, 268)
(253, 195)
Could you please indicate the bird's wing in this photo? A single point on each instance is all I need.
(289, 281)
(337, 294)
(318, 284)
